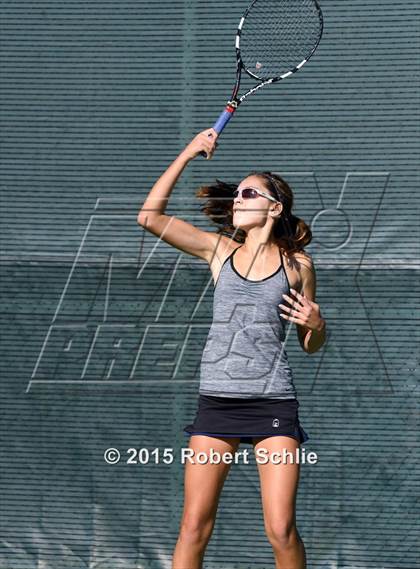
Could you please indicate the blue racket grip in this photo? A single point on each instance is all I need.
(221, 122)
(224, 118)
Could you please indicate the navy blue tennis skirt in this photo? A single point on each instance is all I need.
(246, 418)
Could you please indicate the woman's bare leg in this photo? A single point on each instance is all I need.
(279, 484)
(203, 484)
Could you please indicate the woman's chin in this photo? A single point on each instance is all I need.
(237, 224)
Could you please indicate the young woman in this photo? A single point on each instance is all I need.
(262, 279)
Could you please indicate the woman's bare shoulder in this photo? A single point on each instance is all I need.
(223, 247)
(299, 259)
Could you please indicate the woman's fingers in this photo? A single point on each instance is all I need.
(211, 132)
(204, 141)
(209, 147)
(210, 135)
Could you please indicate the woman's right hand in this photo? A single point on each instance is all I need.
(204, 141)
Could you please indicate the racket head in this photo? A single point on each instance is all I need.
(275, 38)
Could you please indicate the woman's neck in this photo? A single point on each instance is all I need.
(262, 248)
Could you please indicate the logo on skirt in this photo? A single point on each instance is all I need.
(275, 423)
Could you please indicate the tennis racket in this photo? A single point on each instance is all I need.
(275, 38)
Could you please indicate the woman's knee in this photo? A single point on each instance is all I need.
(195, 530)
(281, 533)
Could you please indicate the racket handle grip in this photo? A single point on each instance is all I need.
(223, 119)
(221, 122)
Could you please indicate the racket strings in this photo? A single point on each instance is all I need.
(278, 35)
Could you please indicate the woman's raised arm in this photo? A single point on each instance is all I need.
(176, 232)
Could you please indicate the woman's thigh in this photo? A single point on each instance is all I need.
(204, 482)
(279, 482)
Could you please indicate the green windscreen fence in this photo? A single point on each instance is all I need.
(103, 324)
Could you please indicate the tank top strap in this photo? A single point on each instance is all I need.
(231, 255)
(284, 270)
(225, 264)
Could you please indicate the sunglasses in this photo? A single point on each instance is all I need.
(252, 193)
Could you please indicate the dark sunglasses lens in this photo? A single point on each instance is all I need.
(249, 193)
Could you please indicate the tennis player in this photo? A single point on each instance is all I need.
(263, 280)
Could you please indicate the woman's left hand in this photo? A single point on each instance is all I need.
(303, 311)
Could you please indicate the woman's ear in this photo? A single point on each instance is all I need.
(279, 211)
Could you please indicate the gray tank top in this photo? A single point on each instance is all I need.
(244, 355)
